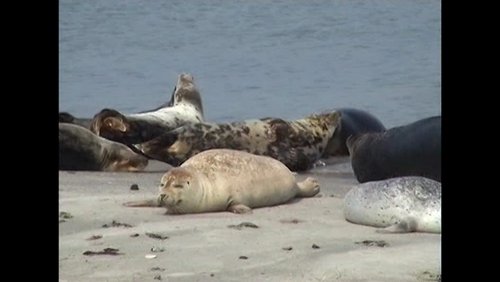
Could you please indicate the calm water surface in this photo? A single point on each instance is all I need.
(253, 59)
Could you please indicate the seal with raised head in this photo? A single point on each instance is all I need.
(184, 107)
(80, 149)
(298, 144)
(409, 150)
(228, 180)
(399, 205)
(66, 117)
(352, 122)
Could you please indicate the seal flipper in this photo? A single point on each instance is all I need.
(308, 188)
(143, 203)
(239, 208)
(404, 226)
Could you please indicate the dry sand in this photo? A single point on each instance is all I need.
(201, 247)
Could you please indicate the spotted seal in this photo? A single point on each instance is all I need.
(352, 122)
(410, 150)
(400, 205)
(228, 180)
(184, 107)
(298, 144)
(80, 149)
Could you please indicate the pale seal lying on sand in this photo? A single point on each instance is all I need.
(403, 204)
(298, 144)
(410, 150)
(352, 122)
(80, 149)
(228, 180)
(184, 107)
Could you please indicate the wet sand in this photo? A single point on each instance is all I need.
(305, 240)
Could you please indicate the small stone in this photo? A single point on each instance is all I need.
(287, 248)
(294, 221)
(158, 277)
(380, 243)
(314, 246)
(115, 223)
(243, 257)
(156, 236)
(134, 187)
(157, 249)
(94, 237)
(243, 224)
(65, 215)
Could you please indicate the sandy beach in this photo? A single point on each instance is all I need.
(305, 240)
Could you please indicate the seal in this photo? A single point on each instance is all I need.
(352, 122)
(400, 205)
(410, 150)
(298, 144)
(66, 117)
(228, 180)
(80, 149)
(184, 107)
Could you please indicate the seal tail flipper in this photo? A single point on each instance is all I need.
(143, 203)
(404, 226)
(308, 187)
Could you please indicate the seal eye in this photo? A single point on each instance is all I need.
(188, 183)
(178, 186)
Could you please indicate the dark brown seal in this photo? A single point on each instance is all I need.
(409, 150)
(352, 122)
(66, 117)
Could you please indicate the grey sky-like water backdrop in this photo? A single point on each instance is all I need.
(253, 59)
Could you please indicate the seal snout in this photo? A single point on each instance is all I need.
(186, 78)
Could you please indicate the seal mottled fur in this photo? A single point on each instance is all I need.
(80, 149)
(298, 144)
(403, 204)
(184, 107)
(228, 180)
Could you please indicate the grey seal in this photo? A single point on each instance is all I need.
(400, 205)
(298, 143)
(184, 107)
(80, 149)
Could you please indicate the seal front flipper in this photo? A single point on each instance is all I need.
(404, 226)
(239, 208)
(154, 203)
